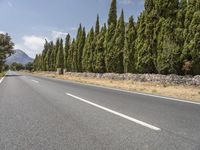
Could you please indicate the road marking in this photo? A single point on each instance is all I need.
(35, 81)
(2, 79)
(116, 113)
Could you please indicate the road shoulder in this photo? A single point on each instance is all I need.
(179, 92)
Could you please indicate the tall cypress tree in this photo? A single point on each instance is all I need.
(44, 58)
(146, 42)
(87, 52)
(74, 57)
(191, 52)
(130, 50)
(168, 52)
(80, 42)
(60, 55)
(48, 57)
(51, 45)
(99, 50)
(112, 18)
(67, 47)
(94, 52)
(70, 56)
(53, 57)
(97, 26)
(116, 64)
(112, 21)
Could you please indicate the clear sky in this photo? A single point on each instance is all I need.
(29, 22)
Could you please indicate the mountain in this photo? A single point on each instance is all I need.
(19, 57)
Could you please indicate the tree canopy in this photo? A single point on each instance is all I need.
(6, 49)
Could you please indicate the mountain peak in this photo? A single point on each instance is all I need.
(19, 57)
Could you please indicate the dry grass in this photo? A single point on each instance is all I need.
(176, 91)
(2, 74)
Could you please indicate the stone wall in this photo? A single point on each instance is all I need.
(164, 79)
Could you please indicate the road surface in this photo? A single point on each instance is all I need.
(38, 113)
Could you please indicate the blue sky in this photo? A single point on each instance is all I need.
(29, 22)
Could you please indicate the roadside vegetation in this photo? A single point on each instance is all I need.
(18, 67)
(6, 46)
(2, 74)
(164, 40)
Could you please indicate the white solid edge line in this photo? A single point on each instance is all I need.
(3, 78)
(116, 113)
(35, 81)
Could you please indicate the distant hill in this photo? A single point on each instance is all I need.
(19, 57)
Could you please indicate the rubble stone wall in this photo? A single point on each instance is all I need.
(164, 79)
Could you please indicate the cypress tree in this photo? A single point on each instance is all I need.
(47, 57)
(87, 52)
(80, 41)
(112, 21)
(74, 56)
(191, 52)
(146, 42)
(70, 56)
(113, 13)
(53, 58)
(190, 10)
(67, 47)
(60, 55)
(97, 26)
(51, 45)
(44, 57)
(94, 52)
(100, 49)
(116, 64)
(168, 52)
(130, 50)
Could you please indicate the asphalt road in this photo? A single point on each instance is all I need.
(38, 113)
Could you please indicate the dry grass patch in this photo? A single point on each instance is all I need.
(176, 91)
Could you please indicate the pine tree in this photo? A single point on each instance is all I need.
(100, 49)
(87, 52)
(130, 50)
(67, 47)
(60, 55)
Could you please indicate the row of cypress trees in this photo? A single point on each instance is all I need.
(165, 40)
